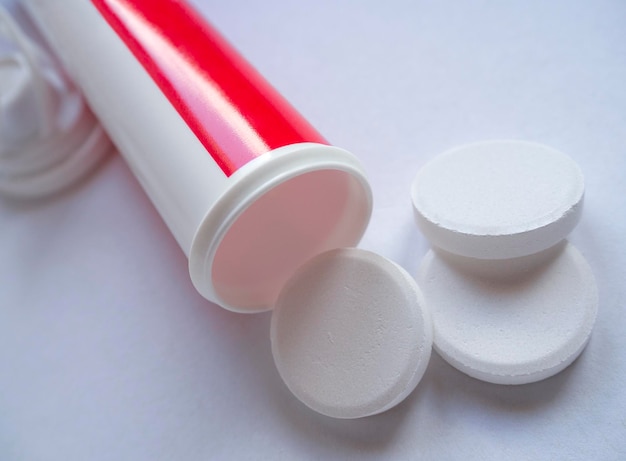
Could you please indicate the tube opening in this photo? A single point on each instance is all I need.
(294, 221)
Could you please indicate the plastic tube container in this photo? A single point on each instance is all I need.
(247, 187)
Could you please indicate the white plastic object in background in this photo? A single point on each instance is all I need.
(498, 199)
(350, 334)
(48, 136)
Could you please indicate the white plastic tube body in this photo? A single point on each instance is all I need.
(137, 115)
(323, 200)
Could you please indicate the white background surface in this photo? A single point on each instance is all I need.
(108, 353)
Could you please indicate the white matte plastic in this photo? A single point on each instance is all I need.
(350, 335)
(48, 136)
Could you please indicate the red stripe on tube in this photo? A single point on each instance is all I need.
(235, 113)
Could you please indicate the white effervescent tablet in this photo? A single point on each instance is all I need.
(350, 336)
(510, 321)
(498, 199)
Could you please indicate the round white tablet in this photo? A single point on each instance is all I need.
(510, 321)
(498, 199)
(350, 336)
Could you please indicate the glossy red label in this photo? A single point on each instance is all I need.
(229, 106)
